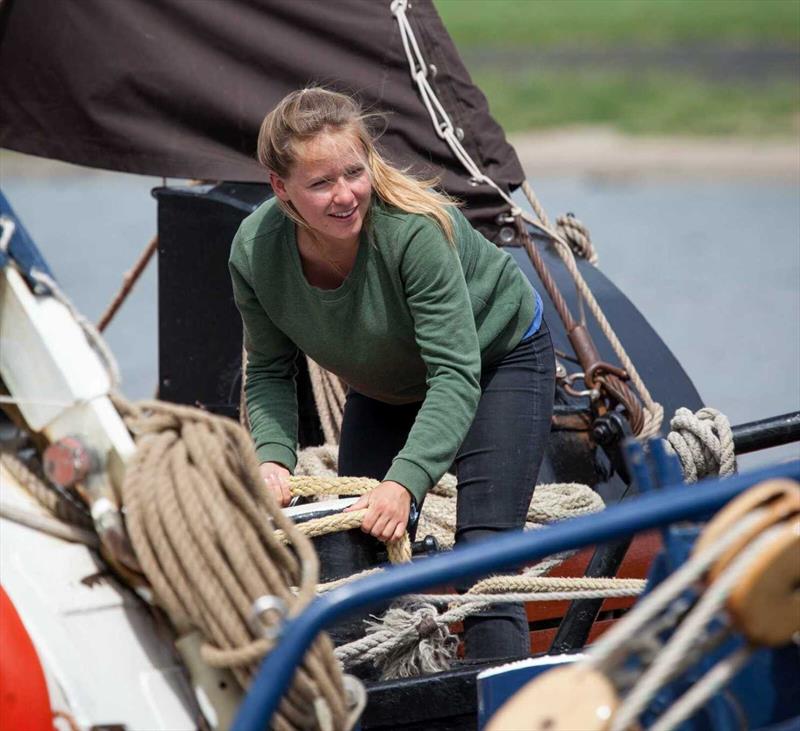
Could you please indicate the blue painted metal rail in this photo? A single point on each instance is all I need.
(653, 510)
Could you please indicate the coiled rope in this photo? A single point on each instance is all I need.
(211, 541)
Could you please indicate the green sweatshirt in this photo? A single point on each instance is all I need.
(415, 320)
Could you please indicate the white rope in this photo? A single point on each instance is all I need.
(441, 120)
(711, 602)
(703, 442)
(612, 646)
(701, 690)
(48, 525)
(466, 604)
(54, 402)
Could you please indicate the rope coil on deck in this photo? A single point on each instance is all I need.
(206, 534)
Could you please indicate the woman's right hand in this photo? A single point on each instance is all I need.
(276, 478)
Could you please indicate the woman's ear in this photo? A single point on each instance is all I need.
(278, 186)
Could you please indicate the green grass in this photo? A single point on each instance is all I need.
(641, 104)
(646, 102)
(601, 23)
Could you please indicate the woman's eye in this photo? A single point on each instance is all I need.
(355, 172)
(317, 184)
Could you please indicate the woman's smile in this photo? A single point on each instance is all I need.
(346, 214)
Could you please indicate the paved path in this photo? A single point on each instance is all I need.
(599, 151)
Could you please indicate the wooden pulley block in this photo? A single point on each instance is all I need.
(780, 498)
(563, 699)
(765, 604)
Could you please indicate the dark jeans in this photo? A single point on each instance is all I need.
(496, 466)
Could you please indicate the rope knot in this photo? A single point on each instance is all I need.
(703, 442)
(409, 640)
(576, 234)
(427, 626)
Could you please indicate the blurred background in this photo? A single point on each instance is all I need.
(655, 67)
(671, 128)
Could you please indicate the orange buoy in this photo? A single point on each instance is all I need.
(24, 700)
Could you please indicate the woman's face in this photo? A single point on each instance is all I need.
(329, 186)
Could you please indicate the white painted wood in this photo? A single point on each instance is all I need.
(105, 659)
(59, 382)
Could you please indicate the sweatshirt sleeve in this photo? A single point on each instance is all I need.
(270, 390)
(444, 326)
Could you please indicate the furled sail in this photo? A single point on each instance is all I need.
(178, 88)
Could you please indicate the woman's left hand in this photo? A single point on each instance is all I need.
(388, 506)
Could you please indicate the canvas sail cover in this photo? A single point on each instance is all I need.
(178, 88)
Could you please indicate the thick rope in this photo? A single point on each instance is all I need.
(550, 503)
(57, 501)
(399, 550)
(576, 234)
(329, 395)
(570, 231)
(438, 518)
(48, 525)
(413, 637)
(663, 667)
(409, 642)
(206, 534)
(654, 412)
(703, 442)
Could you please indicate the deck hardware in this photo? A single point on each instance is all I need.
(68, 461)
(268, 604)
(781, 496)
(566, 698)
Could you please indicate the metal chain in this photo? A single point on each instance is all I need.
(445, 130)
(441, 121)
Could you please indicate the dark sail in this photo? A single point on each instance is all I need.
(178, 88)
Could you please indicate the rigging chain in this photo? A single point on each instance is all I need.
(644, 421)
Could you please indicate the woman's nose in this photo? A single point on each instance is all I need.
(342, 193)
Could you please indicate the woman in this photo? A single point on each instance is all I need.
(438, 334)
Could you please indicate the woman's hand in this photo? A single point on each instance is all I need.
(276, 478)
(388, 506)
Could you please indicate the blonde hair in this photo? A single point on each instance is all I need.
(306, 113)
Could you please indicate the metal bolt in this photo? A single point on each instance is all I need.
(506, 235)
